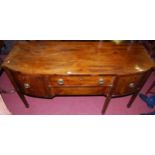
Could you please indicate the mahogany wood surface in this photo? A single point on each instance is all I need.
(78, 57)
(51, 68)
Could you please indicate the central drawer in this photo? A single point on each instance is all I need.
(80, 80)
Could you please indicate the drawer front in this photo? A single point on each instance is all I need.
(60, 81)
(49, 86)
(32, 85)
(127, 84)
(81, 90)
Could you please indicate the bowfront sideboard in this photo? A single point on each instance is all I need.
(53, 68)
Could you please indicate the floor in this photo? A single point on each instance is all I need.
(83, 105)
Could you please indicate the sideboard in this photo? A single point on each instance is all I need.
(53, 68)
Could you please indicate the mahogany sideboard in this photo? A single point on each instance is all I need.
(52, 68)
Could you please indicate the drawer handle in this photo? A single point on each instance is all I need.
(60, 81)
(101, 81)
(26, 85)
(132, 85)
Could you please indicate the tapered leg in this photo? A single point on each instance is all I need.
(106, 103)
(15, 84)
(132, 99)
(22, 97)
(109, 95)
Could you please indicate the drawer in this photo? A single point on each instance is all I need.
(58, 81)
(81, 90)
(127, 84)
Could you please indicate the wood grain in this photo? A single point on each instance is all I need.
(78, 57)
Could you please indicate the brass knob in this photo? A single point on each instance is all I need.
(60, 81)
(49, 86)
(101, 81)
(26, 85)
(132, 85)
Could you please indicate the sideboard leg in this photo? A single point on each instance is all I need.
(109, 95)
(106, 103)
(132, 100)
(15, 84)
(22, 97)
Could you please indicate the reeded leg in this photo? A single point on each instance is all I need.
(22, 97)
(106, 103)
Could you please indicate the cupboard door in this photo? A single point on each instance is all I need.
(33, 85)
(127, 84)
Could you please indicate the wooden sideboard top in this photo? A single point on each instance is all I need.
(78, 57)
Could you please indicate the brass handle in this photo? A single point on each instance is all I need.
(60, 81)
(132, 85)
(26, 85)
(49, 86)
(101, 81)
